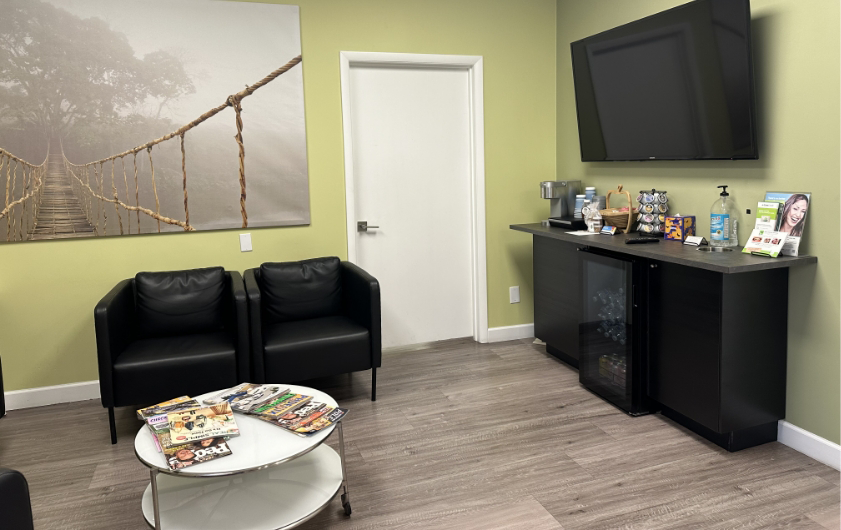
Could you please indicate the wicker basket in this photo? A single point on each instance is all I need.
(614, 217)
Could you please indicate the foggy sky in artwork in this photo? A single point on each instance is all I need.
(223, 46)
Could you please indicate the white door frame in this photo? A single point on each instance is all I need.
(473, 66)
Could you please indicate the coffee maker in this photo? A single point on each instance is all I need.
(561, 195)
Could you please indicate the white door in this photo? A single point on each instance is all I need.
(411, 142)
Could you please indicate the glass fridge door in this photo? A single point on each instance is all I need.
(606, 345)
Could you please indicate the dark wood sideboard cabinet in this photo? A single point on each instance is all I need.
(716, 329)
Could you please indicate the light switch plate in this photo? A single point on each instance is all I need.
(514, 294)
(245, 242)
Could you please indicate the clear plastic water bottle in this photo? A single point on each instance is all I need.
(724, 221)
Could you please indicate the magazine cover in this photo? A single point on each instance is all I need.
(197, 424)
(793, 220)
(307, 427)
(159, 425)
(291, 419)
(247, 396)
(185, 455)
(167, 406)
(282, 405)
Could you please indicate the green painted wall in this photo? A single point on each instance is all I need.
(796, 52)
(48, 289)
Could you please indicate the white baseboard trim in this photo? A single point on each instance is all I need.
(50, 395)
(501, 334)
(809, 444)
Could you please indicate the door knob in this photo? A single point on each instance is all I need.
(363, 226)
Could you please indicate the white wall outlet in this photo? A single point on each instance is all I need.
(514, 294)
(245, 242)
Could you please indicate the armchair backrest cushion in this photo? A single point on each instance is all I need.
(180, 302)
(301, 290)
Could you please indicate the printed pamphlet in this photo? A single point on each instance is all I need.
(183, 402)
(197, 424)
(765, 243)
(185, 455)
(795, 207)
(768, 216)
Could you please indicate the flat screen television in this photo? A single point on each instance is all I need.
(677, 85)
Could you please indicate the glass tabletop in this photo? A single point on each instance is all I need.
(259, 445)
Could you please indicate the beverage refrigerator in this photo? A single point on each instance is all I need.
(613, 328)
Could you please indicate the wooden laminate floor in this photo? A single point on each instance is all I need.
(463, 436)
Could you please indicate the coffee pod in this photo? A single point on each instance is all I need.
(661, 218)
(647, 208)
(663, 208)
(648, 218)
(647, 198)
(662, 197)
(646, 228)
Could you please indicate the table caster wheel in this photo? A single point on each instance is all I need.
(346, 504)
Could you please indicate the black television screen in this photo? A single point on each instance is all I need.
(677, 85)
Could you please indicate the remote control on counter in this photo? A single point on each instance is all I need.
(640, 240)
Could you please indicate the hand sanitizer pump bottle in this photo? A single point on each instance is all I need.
(723, 221)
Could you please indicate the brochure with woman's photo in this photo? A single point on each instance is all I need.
(793, 220)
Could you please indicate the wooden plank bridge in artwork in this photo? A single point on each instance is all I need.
(58, 199)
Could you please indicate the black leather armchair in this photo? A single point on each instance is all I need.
(166, 334)
(313, 318)
(15, 508)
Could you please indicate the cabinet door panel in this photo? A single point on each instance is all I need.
(557, 296)
(684, 341)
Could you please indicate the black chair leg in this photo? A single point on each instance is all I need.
(374, 383)
(113, 425)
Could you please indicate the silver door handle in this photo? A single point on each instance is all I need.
(363, 226)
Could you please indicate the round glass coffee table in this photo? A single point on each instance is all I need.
(274, 479)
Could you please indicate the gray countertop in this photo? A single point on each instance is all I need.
(671, 251)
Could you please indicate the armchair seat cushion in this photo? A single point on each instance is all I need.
(161, 368)
(311, 348)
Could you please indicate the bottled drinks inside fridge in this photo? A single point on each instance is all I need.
(608, 355)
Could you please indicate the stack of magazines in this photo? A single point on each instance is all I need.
(188, 433)
(294, 412)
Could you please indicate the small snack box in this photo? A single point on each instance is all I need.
(679, 226)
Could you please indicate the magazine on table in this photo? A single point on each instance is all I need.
(308, 427)
(183, 402)
(795, 207)
(282, 405)
(159, 425)
(197, 424)
(185, 455)
(305, 417)
(247, 396)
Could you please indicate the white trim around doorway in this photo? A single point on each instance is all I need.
(473, 66)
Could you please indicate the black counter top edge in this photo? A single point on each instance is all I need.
(671, 251)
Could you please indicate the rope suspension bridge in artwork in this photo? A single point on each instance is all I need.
(59, 199)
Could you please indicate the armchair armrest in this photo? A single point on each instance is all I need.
(115, 325)
(15, 506)
(252, 291)
(240, 326)
(361, 302)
